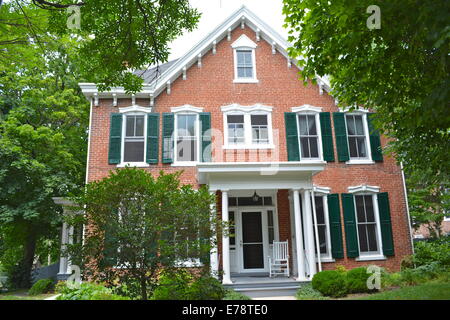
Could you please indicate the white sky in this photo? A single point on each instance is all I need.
(214, 12)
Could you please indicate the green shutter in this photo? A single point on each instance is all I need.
(115, 138)
(152, 138)
(341, 136)
(375, 141)
(334, 216)
(385, 224)
(351, 236)
(167, 133)
(292, 146)
(110, 241)
(205, 126)
(327, 136)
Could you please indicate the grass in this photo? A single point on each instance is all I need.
(427, 291)
(23, 295)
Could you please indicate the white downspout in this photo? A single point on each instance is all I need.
(407, 207)
(319, 262)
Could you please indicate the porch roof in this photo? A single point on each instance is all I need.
(259, 175)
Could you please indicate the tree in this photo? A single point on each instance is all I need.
(115, 36)
(138, 225)
(400, 70)
(43, 142)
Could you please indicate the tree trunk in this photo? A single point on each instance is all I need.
(23, 271)
(144, 288)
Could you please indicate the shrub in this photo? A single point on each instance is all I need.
(206, 288)
(233, 295)
(306, 292)
(437, 250)
(87, 291)
(330, 283)
(356, 280)
(173, 286)
(41, 286)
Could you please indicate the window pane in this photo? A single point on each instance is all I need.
(267, 201)
(235, 119)
(232, 201)
(319, 210)
(134, 151)
(271, 235)
(359, 125)
(353, 148)
(139, 130)
(360, 208)
(314, 148)
(372, 237)
(361, 147)
(322, 239)
(270, 218)
(350, 125)
(312, 125)
(249, 72)
(370, 215)
(187, 149)
(130, 126)
(259, 119)
(363, 246)
(232, 228)
(303, 125)
(305, 148)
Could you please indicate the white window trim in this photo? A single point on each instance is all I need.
(323, 192)
(134, 110)
(372, 191)
(363, 113)
(308, 109)
(186, 109)
(247, 111)
(244, 43)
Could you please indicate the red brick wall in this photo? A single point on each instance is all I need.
(211, 87)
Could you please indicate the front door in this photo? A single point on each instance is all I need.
(252, 241)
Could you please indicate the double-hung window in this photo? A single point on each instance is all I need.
(357, 136)
(367, 225)
(260, 129)
(236, 133)
(134, 139)
(244, 60)
(308, 136)
(186, 137)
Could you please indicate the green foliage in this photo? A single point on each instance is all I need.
(42, 286)
(401, 71)
(161, 223)
(434, 251)
(173, 285)
(87, 291)
(114, 37)
(206, 288)
(233, 295)
(330, 283)
(427, 291)
(306, 292)
(356, 280)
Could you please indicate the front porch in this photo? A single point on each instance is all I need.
(262, 208)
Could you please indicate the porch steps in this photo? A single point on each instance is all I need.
(264, 287)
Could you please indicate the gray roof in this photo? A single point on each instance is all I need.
(149, 75)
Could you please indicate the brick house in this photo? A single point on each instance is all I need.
(285, 163)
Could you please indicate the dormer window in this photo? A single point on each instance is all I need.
(244, 60)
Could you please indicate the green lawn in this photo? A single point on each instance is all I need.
(23, 295)
(428, 291)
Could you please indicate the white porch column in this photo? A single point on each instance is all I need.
(69, 241)
(309, 234)
(225, 242)
(64, 239)
(214, 262)
(299, 237)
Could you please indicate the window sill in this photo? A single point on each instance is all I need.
(245, 81)
(325, 259)
(371, 258)
(189, 264)
(248, 146)
(362, 161)
(185, 164)
(133, 164)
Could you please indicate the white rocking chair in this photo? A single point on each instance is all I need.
(279, 263)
